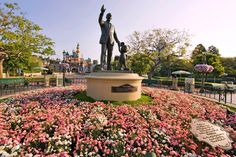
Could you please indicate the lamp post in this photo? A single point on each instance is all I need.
(64, 76)
(65, 66)
(204, 69)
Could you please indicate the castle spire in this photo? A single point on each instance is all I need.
(78, 50)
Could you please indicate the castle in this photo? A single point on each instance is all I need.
(74, 58)
(76, 61)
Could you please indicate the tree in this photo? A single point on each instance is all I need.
(115, 63)
(182, 64)
(140, 63)
(213, 50)
(168, 66)
(159, 44)
(210, 57)
(20, 38)
(34, 61)
(199, 49)
(229, 65)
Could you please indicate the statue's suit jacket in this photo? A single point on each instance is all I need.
(108, 32)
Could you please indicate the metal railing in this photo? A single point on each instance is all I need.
(18, 87)
(15, 88)
(223, 95)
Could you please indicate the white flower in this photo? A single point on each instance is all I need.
(2, 148)
(29, 155)
(13, 154)
(4, 153)
(120, 133)
(15, 148)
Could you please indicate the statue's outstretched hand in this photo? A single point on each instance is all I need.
(103, 9)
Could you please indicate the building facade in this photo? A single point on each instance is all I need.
(76, 61)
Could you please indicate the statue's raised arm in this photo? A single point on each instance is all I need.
(100, 21)
(103, 9)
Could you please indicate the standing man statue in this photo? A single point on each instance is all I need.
(107, 39)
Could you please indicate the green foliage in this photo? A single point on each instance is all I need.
(232, 109)
(150, 154)
(145, 99)
(159, 45)
(199, 49)
(210, 57)
(140, 63)
(12, 81)
(68, 80)
(82, 96)
(229, 65)
(175, 64)
(20, 38)
(213, 50)
(34, 61)
(97, 68)
(115, 63)
(35, 79)
(182, 64)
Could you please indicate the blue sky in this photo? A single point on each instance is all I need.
(68, 22)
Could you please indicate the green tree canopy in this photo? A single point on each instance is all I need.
(210, 57)
(229, 64)
(199, 49)
(214, 50)
(140, 63)
(20, 38)
(158, 45)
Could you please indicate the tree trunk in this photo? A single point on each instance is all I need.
(7, 73)
(152, 71)
(2, 57)
(150, 74)
(1, 68)
(14, 73)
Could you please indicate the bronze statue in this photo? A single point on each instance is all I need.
(122, 59)
(107, 39)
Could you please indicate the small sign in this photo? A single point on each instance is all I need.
(189, 81)
(189, 85)
(212, 134)
(124, 89)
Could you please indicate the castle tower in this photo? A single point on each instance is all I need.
(78, 52)
(65, 55)
(77, 49)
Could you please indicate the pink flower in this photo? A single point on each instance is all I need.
(204, 68)
(48, 120)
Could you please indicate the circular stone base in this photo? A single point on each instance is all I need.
(114, 85)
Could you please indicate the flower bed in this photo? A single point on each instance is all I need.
(50, 122)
